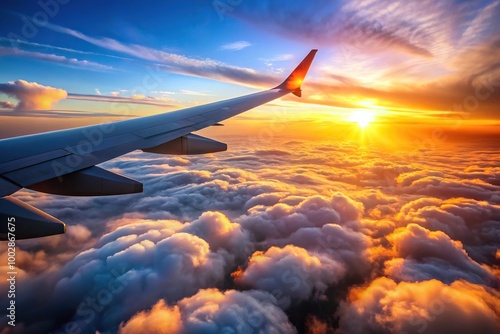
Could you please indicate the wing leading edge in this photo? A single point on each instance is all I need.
(63, 162)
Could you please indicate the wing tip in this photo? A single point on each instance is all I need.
(295, 79)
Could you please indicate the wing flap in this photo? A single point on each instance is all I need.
(93, 181)
(30, 222)
(7, 187)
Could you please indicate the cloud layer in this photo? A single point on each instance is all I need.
(297, 241)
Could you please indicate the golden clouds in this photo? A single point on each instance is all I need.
(290, 273)
(311, 236)
(212, 311)
(161, 319)
(31, 95)
(422, 307)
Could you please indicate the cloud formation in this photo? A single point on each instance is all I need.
(229, 241)
(291, 274)
(31, 95)
(425, 307)
(213, 311)
(6, 105)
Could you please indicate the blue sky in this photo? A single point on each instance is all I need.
(197, 31)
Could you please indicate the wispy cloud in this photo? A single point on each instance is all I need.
(236, 46)
(191, 92)
(282, 57)
(326, 22)
(172, 62)
(135, 99)
(62, 114)
(277, 58)
(52, 58)
(16, 43)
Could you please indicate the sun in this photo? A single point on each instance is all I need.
(363, 117)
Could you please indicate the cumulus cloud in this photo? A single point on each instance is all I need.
(449, 187)
(291, 273)
(424, 307)
(160, 319)
(359, 236)
(282, 219)
(434, 255)
(31, 95)
(213, 311)
(472, 222)
(216, 229)
(153, 263)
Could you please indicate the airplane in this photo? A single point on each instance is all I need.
(64, 162)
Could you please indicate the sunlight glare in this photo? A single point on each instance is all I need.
(363, 117)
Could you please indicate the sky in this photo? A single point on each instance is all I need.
(369, 205)
(435, 62)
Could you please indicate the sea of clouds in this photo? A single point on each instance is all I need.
(288, 237)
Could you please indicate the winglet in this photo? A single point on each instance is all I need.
(294, 81)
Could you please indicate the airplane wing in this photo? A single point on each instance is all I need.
(64, 162)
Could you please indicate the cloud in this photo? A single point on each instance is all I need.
(135, 99)
(227, 240)
(31, 95)
(441, 186)
(160, 319)
(426, 307)
(15, 43)
(216, 229)
(291, 274)
(213, 311)
(6, 105)
(434, 255)
(121, 267)
(445, 55)
(403, 56)
(176, 63)
(236, 46)
(52, 58)
(344, 22)
(281, 57)
(472, 222)
(283, 219)
(191, 92)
